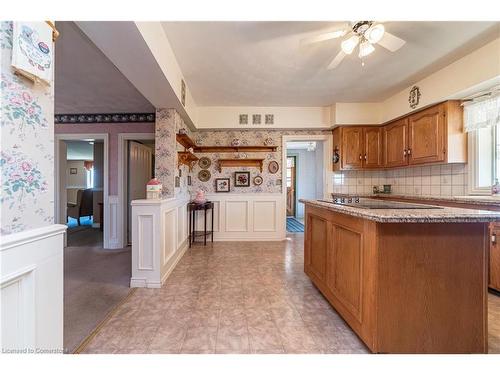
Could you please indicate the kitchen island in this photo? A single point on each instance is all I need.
(406, 279)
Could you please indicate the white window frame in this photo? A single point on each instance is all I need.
(473, 176)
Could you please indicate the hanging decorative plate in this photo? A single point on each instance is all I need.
(257, 180)
(204, 175)
(204, 162)
(273, 167)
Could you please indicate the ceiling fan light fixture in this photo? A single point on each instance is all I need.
(349, 44)
(375, 33)
(365, 48)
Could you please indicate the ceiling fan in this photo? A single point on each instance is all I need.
(364, 33)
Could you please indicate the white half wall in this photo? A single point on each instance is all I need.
(159, 239)
(245, 217)
(32, 290)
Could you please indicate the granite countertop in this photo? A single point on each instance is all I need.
(486, 200)
(400, 215)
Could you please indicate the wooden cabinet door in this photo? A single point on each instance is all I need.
(427, 136)
(344, 272)
(396, 143)
(494, 272)
(352, 147)
(372, 139)
(316, 243)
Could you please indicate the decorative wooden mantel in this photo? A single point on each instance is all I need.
(240, 163)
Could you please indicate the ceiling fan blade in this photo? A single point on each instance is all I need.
(337, 60)
(333, 34)
(391, 42)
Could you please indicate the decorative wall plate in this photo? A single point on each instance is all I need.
(204, 175)
(257, 180)
(235, 142)
(273, 167)
(204, 162)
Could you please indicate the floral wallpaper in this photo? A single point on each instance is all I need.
(169, 122)
(271, 182)
(27, 147)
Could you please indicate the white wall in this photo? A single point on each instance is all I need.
(78, 180)
(284, 117)
(309, 173)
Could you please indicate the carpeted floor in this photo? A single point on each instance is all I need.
(293, 225)
(95, 281)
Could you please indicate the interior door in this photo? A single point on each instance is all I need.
(352, 147)
(396, 143)
(140, 165)
(290, 185)
(427, 136)
(373, 147)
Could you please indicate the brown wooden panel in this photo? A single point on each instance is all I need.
(317, 228)
(373, 157)
(396, 143)
(494, 256)
(345, 274)
(432, 291)
(427, 132)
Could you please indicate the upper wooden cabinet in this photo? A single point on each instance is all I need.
(358, 147)
(426, 136)
(372, 138)
(396, 143)
(432, 135)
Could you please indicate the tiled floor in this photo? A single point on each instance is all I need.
(250, 297)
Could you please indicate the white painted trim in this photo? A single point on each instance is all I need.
(105, 138)
(473, 167)
(122, 178)
(327, 165)
(32, 235)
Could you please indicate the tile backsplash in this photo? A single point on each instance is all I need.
(435, 180)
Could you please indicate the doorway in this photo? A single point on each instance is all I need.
(140, 169)
(291, 175)
(305, 176)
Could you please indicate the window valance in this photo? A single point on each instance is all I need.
(482, 113)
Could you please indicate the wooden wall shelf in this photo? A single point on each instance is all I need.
(240, 163)
(185, 141)
(202, 149)
(186, 158)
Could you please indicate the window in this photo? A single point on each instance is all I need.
(482, 121)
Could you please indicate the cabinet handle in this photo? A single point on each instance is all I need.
(365, 157)
(360, 157)
(409, 151)
(493, 238)
(404, 152)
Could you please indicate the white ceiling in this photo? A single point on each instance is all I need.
(263, 64)
(86, 81)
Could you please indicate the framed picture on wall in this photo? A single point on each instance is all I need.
(242, 179)
(73, 171)
(222, 185)
(190, 182)
(177, 181)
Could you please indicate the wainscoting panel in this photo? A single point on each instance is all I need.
(264, 216)
(170, 232)
(246, 217)
(236, 216)
(114, 227)
(32, 290)
(146, 241)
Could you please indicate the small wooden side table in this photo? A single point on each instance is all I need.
(193, 233)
